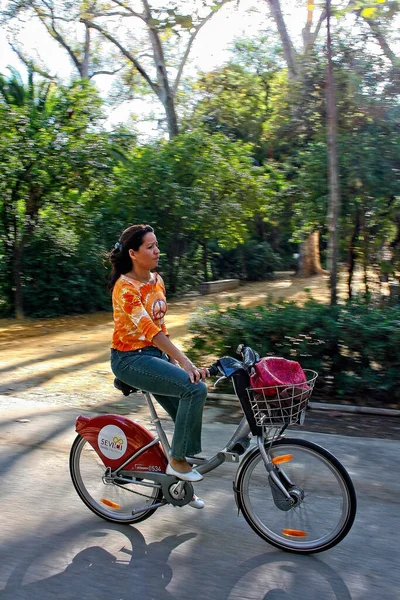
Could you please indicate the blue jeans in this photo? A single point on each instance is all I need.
(149, 370)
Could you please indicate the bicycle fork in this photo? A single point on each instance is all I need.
(278, 480)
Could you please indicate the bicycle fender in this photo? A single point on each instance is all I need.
(236, 482)
(243, 465)
(115, 438)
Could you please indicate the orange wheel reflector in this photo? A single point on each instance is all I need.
(278, 460)
(110, 503)
(294, 533)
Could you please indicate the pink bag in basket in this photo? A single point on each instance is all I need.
(271, 371)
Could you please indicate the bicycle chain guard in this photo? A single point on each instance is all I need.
(179, 494)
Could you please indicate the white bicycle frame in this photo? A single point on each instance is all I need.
(203, 465)
(206, 465)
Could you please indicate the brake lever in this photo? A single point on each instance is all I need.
(239, 350)
(219, 379)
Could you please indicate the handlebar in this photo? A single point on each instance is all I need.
(213, 370)
(228, 365)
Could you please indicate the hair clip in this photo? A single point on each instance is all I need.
(118, 246)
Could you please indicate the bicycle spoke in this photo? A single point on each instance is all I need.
(112, 501)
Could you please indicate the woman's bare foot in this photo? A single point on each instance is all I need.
(180, 465)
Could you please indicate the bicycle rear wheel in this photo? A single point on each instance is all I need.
(111, 501)
(324, 495)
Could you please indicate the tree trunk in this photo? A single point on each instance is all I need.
(205, 260)
(294, 74)
(169, 106)
(333, 171)
(387, 51)
(86, 54)
(309, 259)
(259, 224)
(352, 254)
(214, 272)
(174, 251)
(165, 92)
(18, 300)
(365, 237)
(19, 244)
(395, 244)
(172, 273)
(288, 48)
(243, 263)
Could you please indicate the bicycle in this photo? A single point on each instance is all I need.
(292, 492)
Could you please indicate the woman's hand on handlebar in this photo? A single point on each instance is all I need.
(195, 374)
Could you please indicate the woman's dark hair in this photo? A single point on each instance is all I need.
(121, 262)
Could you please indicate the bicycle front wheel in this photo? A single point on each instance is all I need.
(324, 499)
(111, 501)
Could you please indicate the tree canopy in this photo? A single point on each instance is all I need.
(240, 184)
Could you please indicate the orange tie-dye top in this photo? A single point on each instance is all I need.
(139, 310)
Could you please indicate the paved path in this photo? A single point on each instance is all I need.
(53, 547)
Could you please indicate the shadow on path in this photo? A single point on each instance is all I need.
(30, 445)
(75, 350)
(140, 570)
(31, 382)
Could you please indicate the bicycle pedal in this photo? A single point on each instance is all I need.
(230, 456)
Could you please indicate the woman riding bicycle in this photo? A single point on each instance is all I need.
(143, 356)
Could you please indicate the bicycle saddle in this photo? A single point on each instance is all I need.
(124, 387)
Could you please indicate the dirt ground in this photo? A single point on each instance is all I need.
(52, 358)
(65, 360)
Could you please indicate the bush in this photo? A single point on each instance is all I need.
(69, 276)
(253, 261)
(355, 347)
(260, 261)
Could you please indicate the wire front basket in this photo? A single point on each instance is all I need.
(279, 405)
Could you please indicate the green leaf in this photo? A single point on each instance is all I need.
(185, 21)
(368, 13)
